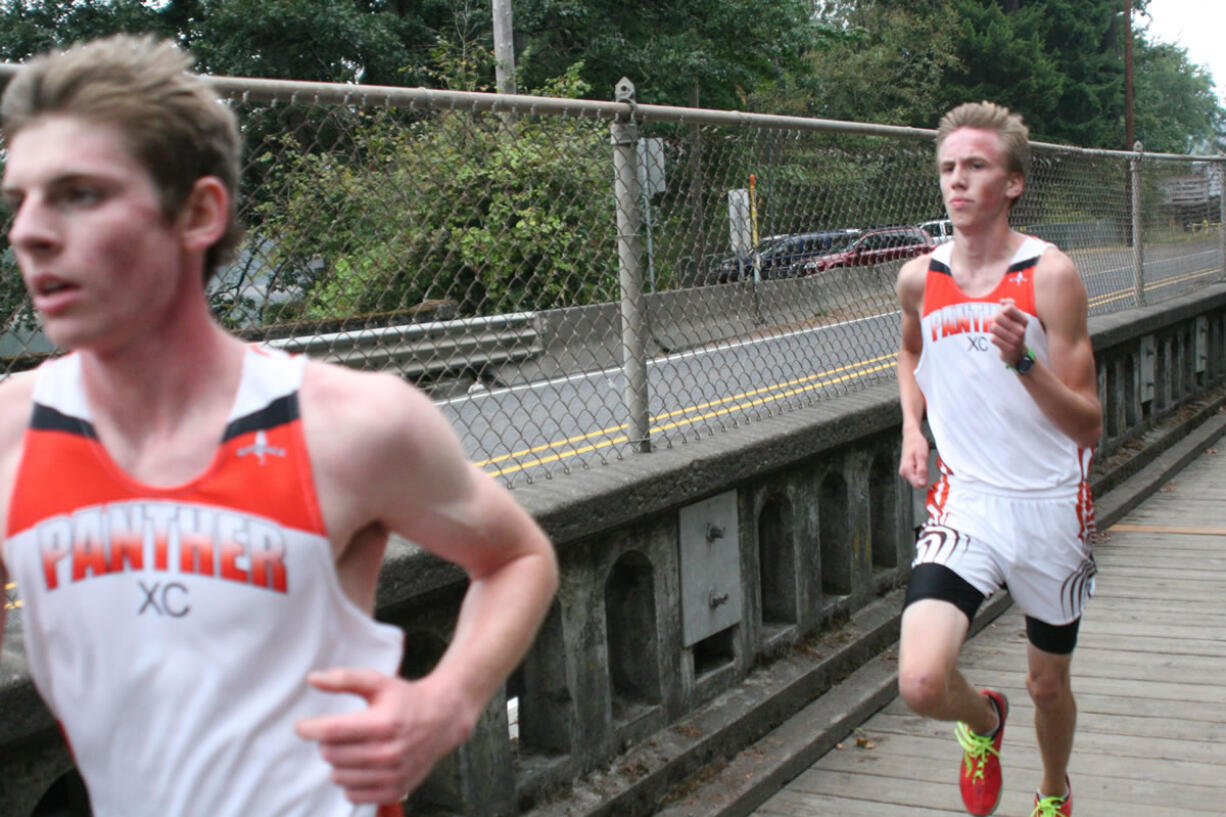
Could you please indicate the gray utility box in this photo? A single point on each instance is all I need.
(710, 568)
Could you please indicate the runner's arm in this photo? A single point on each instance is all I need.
(416, 481)
(913, 465)
(1066, 388)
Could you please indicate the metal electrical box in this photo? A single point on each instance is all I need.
(710, 568)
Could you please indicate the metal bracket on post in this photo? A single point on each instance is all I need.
(1148, 352)
(1201, 345)
(625, 138)
(1138, 248)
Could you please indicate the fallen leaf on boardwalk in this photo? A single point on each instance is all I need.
(864, 743)
(838, 746)
(1210, 450)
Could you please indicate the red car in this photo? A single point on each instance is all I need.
(876, 247)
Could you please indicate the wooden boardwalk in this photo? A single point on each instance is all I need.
(1149, 675)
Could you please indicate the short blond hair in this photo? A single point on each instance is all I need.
(1014, 135)
(174, 123)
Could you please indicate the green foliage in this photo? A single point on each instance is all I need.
(28, 27)
(1176, 108)
(717, 50)
(498, 216)
(327, 40)
(1005, 59)
(882, 62)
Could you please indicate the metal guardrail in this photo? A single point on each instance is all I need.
(428, 349)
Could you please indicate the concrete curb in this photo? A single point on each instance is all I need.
(763, 768)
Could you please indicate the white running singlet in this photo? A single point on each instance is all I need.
(170, 630)
(990, 433)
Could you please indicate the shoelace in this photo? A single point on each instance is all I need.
(975, 750)
(1048, 807)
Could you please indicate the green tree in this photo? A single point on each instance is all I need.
(879, 61)
(1176, 108)
(1004, 58)
(327, 40)
(709, 52)
(28, 27)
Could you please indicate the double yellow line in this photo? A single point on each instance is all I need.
(678, 418)
(1125, 294)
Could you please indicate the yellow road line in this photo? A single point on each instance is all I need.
(829, 381)
(676, 412)
(1120, 295)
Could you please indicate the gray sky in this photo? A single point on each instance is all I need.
(1198, 26)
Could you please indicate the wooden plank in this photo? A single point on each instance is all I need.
(1115, 734)
(1170, 529)
(788, 803)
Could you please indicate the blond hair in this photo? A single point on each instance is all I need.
(1014, 135)
(173, 122)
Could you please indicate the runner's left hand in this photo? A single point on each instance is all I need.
(381, 753)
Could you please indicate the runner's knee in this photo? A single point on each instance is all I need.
(1050, 687)
(924, 688)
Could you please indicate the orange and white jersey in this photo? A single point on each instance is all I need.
(170, 630)
(989, 432)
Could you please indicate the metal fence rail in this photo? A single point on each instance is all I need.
(576, 280)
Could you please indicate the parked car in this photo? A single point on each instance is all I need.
(876, 247)
(784, 256)
(941, 230)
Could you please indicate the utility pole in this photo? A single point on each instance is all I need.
(1128, 123)
(504, 47)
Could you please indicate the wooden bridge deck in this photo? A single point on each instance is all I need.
(1149, 674)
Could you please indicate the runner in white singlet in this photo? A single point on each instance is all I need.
(996, 356)
(196, 526)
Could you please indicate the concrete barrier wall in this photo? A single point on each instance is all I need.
(689, 575)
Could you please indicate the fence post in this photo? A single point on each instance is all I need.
(1138, 247)
(625, 138)
(1221, 218)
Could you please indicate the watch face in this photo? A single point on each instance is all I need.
(1025, 363)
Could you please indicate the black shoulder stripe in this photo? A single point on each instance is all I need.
(279, 412)
(938, 266)
(45, 418)
(1019, 266)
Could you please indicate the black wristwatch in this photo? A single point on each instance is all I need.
(1024, 363)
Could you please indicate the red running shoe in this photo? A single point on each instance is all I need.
(1054, 806)
(980, 778)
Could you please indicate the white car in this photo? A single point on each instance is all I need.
(941, 230)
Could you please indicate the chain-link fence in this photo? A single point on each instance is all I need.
(574, 281)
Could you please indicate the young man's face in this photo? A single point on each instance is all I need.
(975, 184)
(97, 253)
